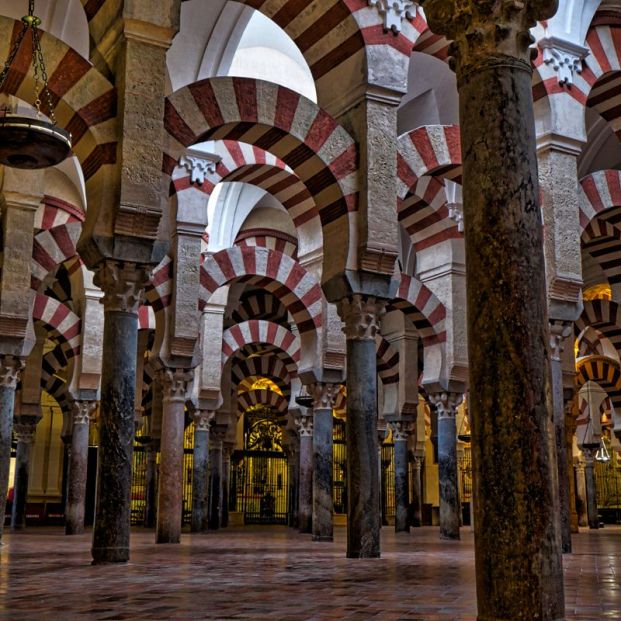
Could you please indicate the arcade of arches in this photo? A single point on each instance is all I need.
(315, 275)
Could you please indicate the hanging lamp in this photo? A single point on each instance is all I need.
(27, 142)
(602, 452)
(304, 398)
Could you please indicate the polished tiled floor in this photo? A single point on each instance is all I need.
(274, 573)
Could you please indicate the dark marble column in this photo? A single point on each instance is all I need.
(361, 315)
(10, 367)
(581, 494)
(175, 383)
(304, 425)
(570, 431)
(151, 476)
(517, 539)
(25, 428)
(417, 492)
(227, 450)
(591, 487)
(323, 506)
(200, 471)
(400, 434)
(215, 476)
(450, 507)
(559, 331)
(294, 481)
(78, 467)
(123, 287)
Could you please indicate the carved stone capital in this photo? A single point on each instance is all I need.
(218, 433)
(394, 12)
(361, 316)
(400, 430)
(25, 429)
(83, 412)
(565, 57)
(485, 29)
(10, 368)
(324, 395)
(589, 456)
(123, 285)
(304, 426)
(198, 167)
(203, 419)
(446, 403)
(175, 383)
(559, 331)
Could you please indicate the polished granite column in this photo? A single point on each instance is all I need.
(294, 481)
(450, 507)
(200, 471)
(227, 450)
(517, 540)
(590, 488)
(361, 315)
(304, 424)
(10, 367)
(78, 467)
(123, 287)
(25, 429)
(323, 506)
(400, 434)
(215, 476)
(175, 384)
(581, 495)
(417, 492)
(151, 476)
(559, 331)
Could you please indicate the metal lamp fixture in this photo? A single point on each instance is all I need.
(27, 142)
(602, 452)
(303, 398)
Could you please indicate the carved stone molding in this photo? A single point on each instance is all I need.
(361, 316)
(83, 412)
(123, 285)
(446, 403)
(394, 12)
(198, 167)
(25, 431)
(400, 430)
(559, 331)
(324, 395)
(10, 368)
(484, 29)
(456, 214)
(565, 57)
(304, 426)
(175, 383)
(203, 419)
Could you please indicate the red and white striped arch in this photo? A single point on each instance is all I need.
(601, 192)
(318, 150)
(423, 308)
(258, 331)
(604, 316)
(276, 272)
(270, 366)
(591, 342)
(146, 318)
(387, 361)
(160, 287)
(268, 238)
(427, 42)
(60, 321)
(248, 382)
(268, 398)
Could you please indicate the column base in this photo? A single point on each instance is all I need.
(105, 556)
(167, 539)
(323, 538)
(449, 537)
(73, 530)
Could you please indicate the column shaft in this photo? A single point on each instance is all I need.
(305, 511)
(226, 481)
(20, 485)
(581, 495)
(449, 486)
(591, 494)
(417, 493)
(402, 483)
(151, 475)
(200, 481)
(322, 475)
(215, 484)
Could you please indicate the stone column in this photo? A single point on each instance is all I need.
(215, 476)
(10, 367)
(361, 315)
(417, 492)
(304, 426)
(590, 487)
(151, 475)
(559, 331)
(175, 383)
(78, 467)
(123, 287)
(581, 494)
(517, 539)
(400, 434)
(323, 506)
(25, 428)
(450, 507)
(294, 482)
(200, 471)
(570, 431)
(227, 450)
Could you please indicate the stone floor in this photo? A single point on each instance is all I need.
(274, 573)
